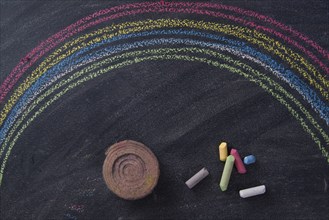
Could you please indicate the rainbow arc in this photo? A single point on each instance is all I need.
(290, 66)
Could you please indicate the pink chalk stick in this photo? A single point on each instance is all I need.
(238, 162)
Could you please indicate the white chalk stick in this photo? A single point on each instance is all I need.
(197, 178)
(254, 191)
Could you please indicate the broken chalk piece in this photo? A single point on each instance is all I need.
(197, 178)
(249, 159)
(223, 151)
(238, 162)
(226, 175)
(253, 191)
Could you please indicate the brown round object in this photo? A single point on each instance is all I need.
(130, 170)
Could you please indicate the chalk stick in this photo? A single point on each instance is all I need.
(226, 175)
(253, 191)
(223, 151)
(238, 162)
(249, 159)
(197, 178)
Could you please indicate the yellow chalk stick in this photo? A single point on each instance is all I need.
(222, 151)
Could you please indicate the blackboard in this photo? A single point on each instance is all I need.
(179, 77)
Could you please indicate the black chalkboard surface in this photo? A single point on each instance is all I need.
(180, 77)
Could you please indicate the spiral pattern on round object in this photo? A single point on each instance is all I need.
(130, 170)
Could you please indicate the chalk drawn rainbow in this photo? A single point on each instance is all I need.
(283, 56)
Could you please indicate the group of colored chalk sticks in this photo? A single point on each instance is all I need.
(230, 160)
(234, 158)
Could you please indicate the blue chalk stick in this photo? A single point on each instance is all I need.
(249, 159)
